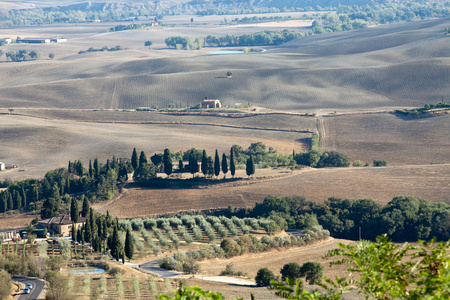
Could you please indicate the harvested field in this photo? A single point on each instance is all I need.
(381, 184)
(400, 141)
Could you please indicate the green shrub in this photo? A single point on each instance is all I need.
(379, 163)
(264, 276)
(358, 163)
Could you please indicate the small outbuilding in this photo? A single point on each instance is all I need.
(211, 103)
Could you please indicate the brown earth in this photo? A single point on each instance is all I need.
(381, 184)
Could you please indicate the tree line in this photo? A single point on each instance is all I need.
(402, 219)
(21, 55)
(264, 38)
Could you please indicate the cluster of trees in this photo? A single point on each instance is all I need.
(238, 246)
(402, 219)
(130, 27)
(423, 110)
(312, 271)
(105, 48)
(264, 38)
(21, 55)
(322, 159)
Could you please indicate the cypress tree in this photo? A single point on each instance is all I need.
(91, 171)
(134, 159)
(85, 210)
(3, 205)
(204, 163)
(116, 245)
(10, 202)
(68, 186)
(123, 173)
(250, 169)
(232, 163)
(74, 210)
(193, 165)
(180, 166)
(80, 168)
(24, 198)
(69, 167)
(224, 165)
(87, 231)
(142, 159)
(216, 164)
(79, 235)
(74, 232)
(96, 168)
(129, 247)
(167, 160)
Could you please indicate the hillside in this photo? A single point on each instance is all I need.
(401, 65)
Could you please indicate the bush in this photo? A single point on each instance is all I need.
(114, 271)
(358, 163)
(379, 163)
(290, 270)
(312, 271)
(264, 276)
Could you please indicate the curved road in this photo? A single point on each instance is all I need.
(152, 266)
(37, 284)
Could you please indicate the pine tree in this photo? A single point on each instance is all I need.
(142, 159)
(74, 210)
(216, 164)
(232, 163)
(129, 247)
(250, 169)
(204, 163)
(85, 210)
(134, 159)
(167, 159)
(224, 165)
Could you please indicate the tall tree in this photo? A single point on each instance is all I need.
(142, 159)
(74, 210)
(232, 163)
(180, 166)
(129, 247)
(116, 245)
(216, 164)
(85, 210)
(224, 165)
(204, 163)
(96, 168)
(134, 159)
(193, 165)
(250, 169)
(91, 171)
(167, 159)
(74, 232)
(49, 209)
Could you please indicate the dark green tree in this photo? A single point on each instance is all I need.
(50, 208)
(129, 247)
(85, 209)
(232, 163)
(157, 159)
(216, 164)
(145, 174)
(180, 166)
(74, 210)
(250, 168)
(116, 245)
(148, 43)
(193, 165)
(73, 232)
(91, 171)
(96, 168)
(224, 165)
(204, 163)
(312, 271)
(134, 159)
(290, 270)
(167, 159)
(264, 276)
(142, 159)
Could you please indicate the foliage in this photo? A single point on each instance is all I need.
(57, 286)
(312, 271)
(264, 38)
(379, 163)
(129, 246)
(290, 270)
(424, 111)
(104, 49)
(264, 277)
(22, 55)
(192, 293)
(5, 284)
(145, 174)
(148, 43)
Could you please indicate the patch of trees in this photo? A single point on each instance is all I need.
(264, 38)
(104, 49)
(22, 55)
(402, 219)
(425, 110)
(130, 27)
(255, 19)
(322, 159)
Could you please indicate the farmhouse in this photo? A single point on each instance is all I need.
(6, 40)
(61, 225)
(56, 39)
(2, 166)
(211, 103)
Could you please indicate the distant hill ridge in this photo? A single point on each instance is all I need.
(209, 4)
